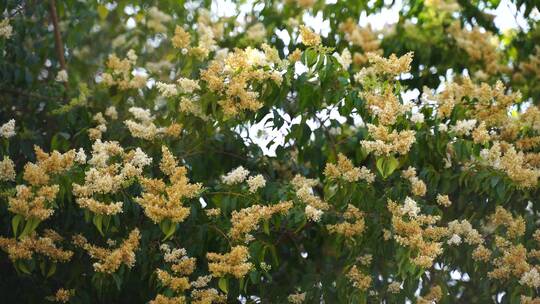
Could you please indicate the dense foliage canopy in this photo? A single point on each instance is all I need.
(268, 152)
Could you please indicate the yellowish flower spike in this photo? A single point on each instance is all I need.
(353, 225)
(162, 201)
(358, 278)
(181, 38)
(345, 169)
(417, 232)
(63, 295)
(232, 78)
(109, 260)
(247, 220)
(234, 263)
(309, 38)
(25, 248)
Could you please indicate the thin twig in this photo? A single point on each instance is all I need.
(58, 38)
(227, 193)
(26, 94)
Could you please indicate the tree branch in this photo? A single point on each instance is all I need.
(58, 38)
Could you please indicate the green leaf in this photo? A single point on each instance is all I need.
(266, 227)
(387, 165)
(168, 228)
(15, 222)
(117, 281)
(52, 270)
(223, 284)
(98, 222)
(103, 12)
(22, 267)
(29, 227)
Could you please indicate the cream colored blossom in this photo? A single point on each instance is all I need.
(161, 200)
(111, 112)
(417, 118)
(443, 200)
(145, 128)
(80, 156)
(464, 229)
(156, 20)
(512, 163)
(359, 279)
(432, 297)
(394, 287)
(297, 298)
(309, 38)
(530, 278)
(344, 58)
(256, 182)
(6, 30)
(188, 85)
(234, 262)
(181, 38)
(386, 143)
(345, 169)
(62, 76)
(236, 176)
(463, 127)
(247, 220)
(167, 90)
(304, 192)
(7, 130)
(63, 295)
(7, 169)
(313, 214)
(353, 224)
(364, 37)
(417, 232)
(232, 78)
(418, 187)
(410, 208)
(109, 260)
(25, 248)
(256, 32)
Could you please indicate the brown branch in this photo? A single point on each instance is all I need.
(58, 38)
(19, 92)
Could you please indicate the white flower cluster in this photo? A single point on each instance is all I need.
(236, 176)
(172, 255)
(313, 214)
(7, 169)
(62, 76)
(455, 239)
(7, 130)
(140, 159)
(144, 127)
(188, 85)
(443, 128)
(256, 182)
(166, 89)
(463, 229)
(6, 30)
(530, 278)
(111, 112)
(345, 59)
(417, 118)
(463, 127)
(256, 32)
(103, 151)
(410, 208)
(80, 156)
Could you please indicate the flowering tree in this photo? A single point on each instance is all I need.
(132, 171)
